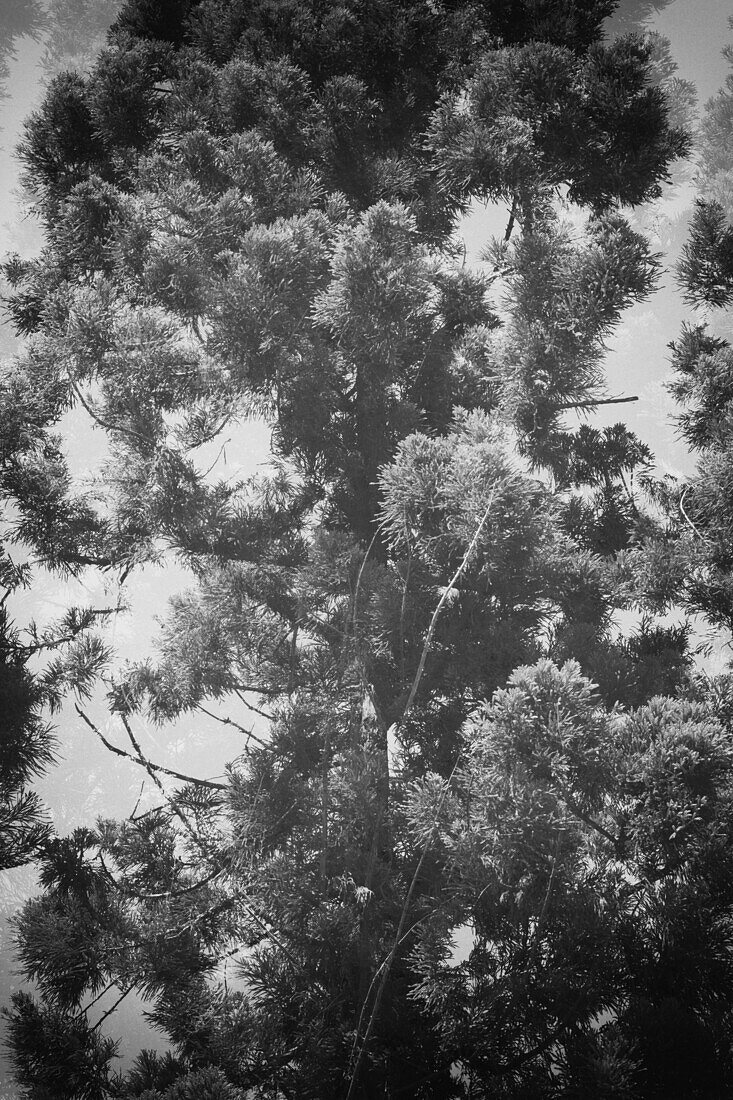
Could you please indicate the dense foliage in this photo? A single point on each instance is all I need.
(26, 743)
(445, 864)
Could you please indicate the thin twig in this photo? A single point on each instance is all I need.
(512, 218)
(164, 895)
(386, 966)
(442, 601)
(145, 763)
(587, 819)
(221, 449)
(108, 425)
(199, 842)
(109, 1011)
(230, 722)
(407, 932)
(83, 1011)
(250, 706)
(134, 809)
(686, 517)
(360, 574)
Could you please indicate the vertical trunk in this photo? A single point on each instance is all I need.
(371, 927)
(325, 799)
(372, 452)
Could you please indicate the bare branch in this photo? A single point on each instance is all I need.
(512, 219)
(251, 706)
(108, 425)
(575, 809)
(162, 895)
(230, 722)
(134, 809)
(592, 404)
(109, 1011)
(221, 449)
(143, 762)
(83, 1011)
(686, 517)
(442, 601)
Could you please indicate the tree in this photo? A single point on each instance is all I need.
(18, 18)
(715, 167)
(703, 365)
(75, 32)
(74, 655)
(252, 209)
(577, 842)
(26, 740)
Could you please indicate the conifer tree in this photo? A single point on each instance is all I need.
(18, 18)
(703, 362)
(26, 743)
(251, 209)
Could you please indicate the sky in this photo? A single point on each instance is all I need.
(637, 364)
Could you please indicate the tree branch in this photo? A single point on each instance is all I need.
(686, 517)
(251, 706)
(592, 404)
(162, 895)
(53, 643)
(442, 601)
(106, 989)
(142, 761)
(512, 218)
(109, 1011)
(108, 425)
(230, 722)
(575, 809)
(199, 842)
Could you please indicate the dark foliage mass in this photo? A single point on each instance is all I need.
(477, 842)
(25, 740)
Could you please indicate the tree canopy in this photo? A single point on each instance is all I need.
(465, 847)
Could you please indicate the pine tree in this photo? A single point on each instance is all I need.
(251, 209)
(26, 746)
(18, 18)
(38, 668)
(703, 384)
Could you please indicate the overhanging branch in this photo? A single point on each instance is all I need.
(592, 404)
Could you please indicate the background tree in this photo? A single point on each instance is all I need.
(702, 361)
(18, 18)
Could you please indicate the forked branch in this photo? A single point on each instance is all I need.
(143, 762)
